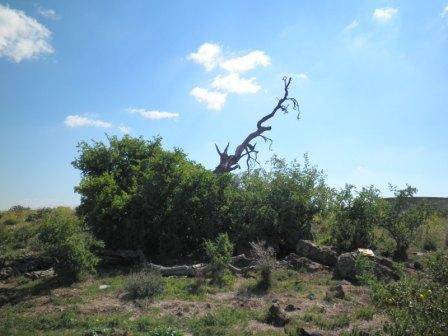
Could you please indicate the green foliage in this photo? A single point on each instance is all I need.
(220, 254)
(432, 234)
(144, 284)
(401, 217)
(134, 194)
(417, 304)
(63, 239)
(354, 216)
(276, 206)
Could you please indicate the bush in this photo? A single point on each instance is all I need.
(417, 304)
(431, 235)
(144, 284)
(64, 240)
(401, 217)
(135, 194)
(276, 206)
(220, 254)
(354, 217)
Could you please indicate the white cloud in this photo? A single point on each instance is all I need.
(384, 14)
(22, 37)
(213, 99)
(445, 11)
(47, 13)
(352, 25)
(153, 114)
(124, 129)
(247, 62)
(79, 121)
(233, 83)
(208, 55)
(302, 76)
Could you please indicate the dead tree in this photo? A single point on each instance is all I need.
(229, 162)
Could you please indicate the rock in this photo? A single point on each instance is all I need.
(33, 275)
(291, 308)
(335, 292)
(28, 263)
(102, 287)
(6, 272)
(325, 255)
(366, 252)
(276, 316)
(383, 268)
(302, 263)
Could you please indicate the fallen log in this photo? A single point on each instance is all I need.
(193, 270)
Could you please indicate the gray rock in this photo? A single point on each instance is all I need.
(297, 263)
(383, 268)
(325, 255)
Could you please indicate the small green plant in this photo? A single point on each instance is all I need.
(220, 253)
(68, 245)
(144, 284)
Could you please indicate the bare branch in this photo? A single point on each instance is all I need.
(228, 162)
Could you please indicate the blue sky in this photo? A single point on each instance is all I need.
(371, 78)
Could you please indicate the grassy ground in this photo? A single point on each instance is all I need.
(43, 307)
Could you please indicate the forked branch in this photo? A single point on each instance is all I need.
(230, 162)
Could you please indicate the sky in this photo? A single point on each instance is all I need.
(371, 78)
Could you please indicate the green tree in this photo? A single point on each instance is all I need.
(354, 216)
(135, 194)
(401, 216)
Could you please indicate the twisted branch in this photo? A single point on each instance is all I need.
(229, 162)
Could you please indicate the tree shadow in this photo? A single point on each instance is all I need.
(28, 290)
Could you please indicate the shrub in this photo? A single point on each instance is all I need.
(144, 284)
(220, 254)
(354, 217)
(18, 208)
(417, 304)
(11, 221)
(64, 240)
(276, 206)
(401, 217)
(265, 263)
(431, 235)
(135, 194)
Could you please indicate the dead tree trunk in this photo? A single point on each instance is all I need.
(229, 162)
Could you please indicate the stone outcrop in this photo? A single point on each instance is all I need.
(382, 268)
(325, 255)
(297, 263)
